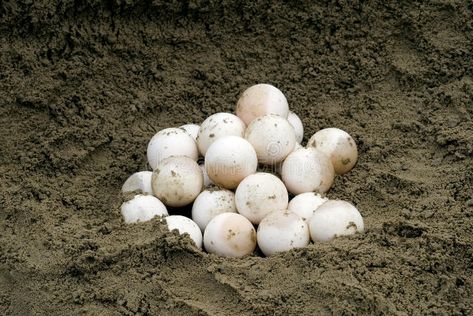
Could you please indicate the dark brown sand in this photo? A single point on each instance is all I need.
(85, 84)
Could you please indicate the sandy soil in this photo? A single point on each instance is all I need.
(85, 84)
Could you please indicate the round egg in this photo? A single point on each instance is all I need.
(282, 231)
(207, 181)
(338, 145)
(230, 235)
(296, 123)
(170, 142)
(305, 204)
(142, 208)
(272, 137)
(335, 218)
(191, 129)
(216, 126)
(229, 160)
(139, 181)
(177, 181)
(259, 100)
(185, 225)
(211, 203)
(259, 194)
(307, 170)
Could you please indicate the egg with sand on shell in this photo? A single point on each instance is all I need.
(191, 129)
(230, 235)
(307, 170)
(170, 142)
(216, 126)
(139, 181)
(259, 194)
(185, 225)
(210, 203)
(335, 218)
(281, 231)
(142, 208)
(338, 145)
(177, 181)
(305, 204)
(272, 137)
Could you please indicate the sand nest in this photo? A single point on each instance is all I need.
(84, 88)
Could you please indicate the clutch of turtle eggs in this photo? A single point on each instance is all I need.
(214, 166)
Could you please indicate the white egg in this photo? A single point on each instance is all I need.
(207, 181)
(259, 194)
(305, 204)
(185, 225)
(338, 145)
(282, 231)
(229, 160)
(335, 218)
(191, 129)
(216, 126)
(142, 208)
(259, 100)
(139, 181)
(307, 170)
(230, 235)
(170, 142)
(211, 203)
(177, 181)
(296, 123)
(272, 137)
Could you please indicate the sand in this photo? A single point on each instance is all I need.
(85, 84)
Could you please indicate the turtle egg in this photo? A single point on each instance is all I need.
(259, 100)
(211, 203)
(338, 145)
(191, 129)
(229, 160)
(305, 204)
(216, 126)
(140, 181)
(307, 170)
(170, 142)
(296, 123)
(282, 231)
(207, 181)
(142, 208)
(185, 225)
(259, 194)
(335, 218)
(230, 235)
(177, 181)
(272, 137)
